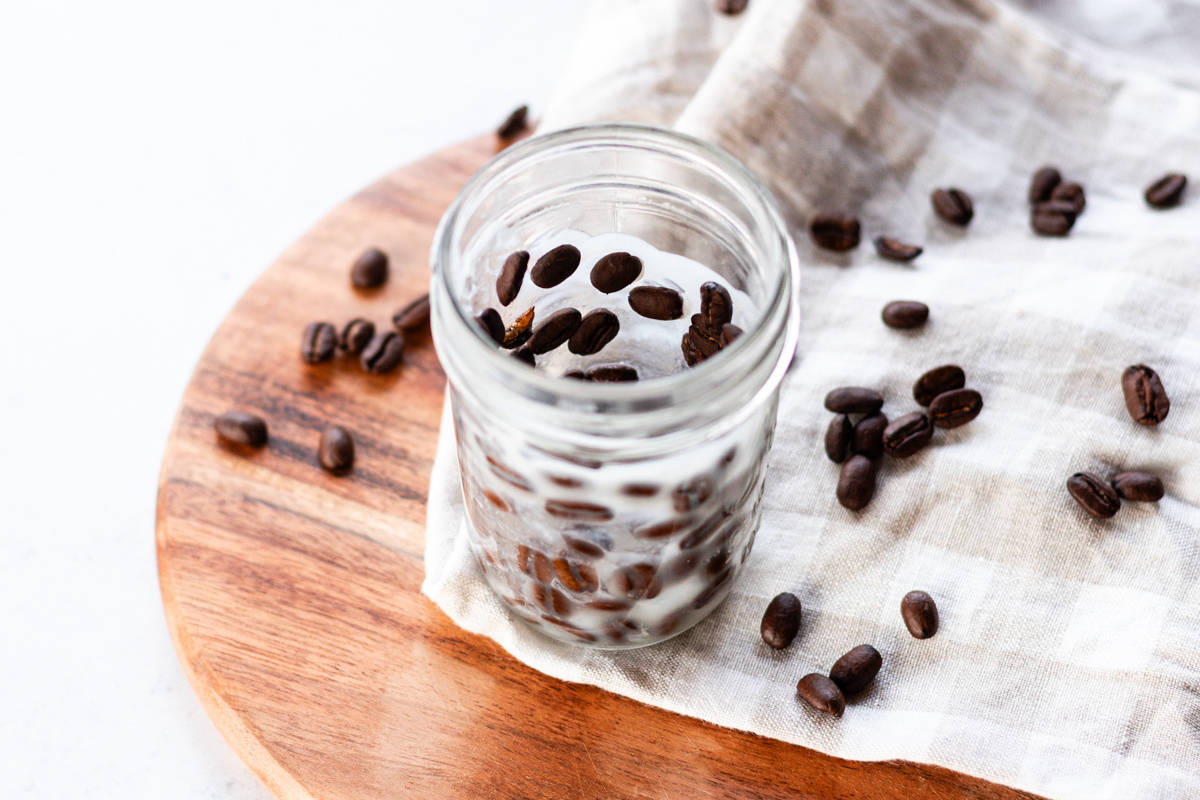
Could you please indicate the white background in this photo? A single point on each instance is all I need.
(154, 158)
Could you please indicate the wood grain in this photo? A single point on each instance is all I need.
(293, 596)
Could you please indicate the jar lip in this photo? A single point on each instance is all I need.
(708, 373)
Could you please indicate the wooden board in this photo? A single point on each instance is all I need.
(293, 596)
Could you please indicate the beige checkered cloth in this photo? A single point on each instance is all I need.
(1068, 659)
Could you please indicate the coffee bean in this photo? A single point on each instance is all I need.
(1167, 191)
(704, 345)
(238, 427)
(356, 335)
(1070, 193)
(519, 332)
(318, 343)
(855, 670)
(835, 232)
(584, 547)
(370, 270)
(716, 308)
(384, 353)
(938, 381)
(953, 205)
(1094, 495)
(1138, 486)
(552, 601)
(920, 614)
(1145, 397)
(580, 578)
(731, 7)
(554, 330)
(414, 316)
(534, 563)
(525, 355)
(1043, 183)
(491, 324)
(1052, 218)
(896, 250)
(631, 582)
(691, 352)
(907, 435)
(729, 332)
(905, 314)
(612, 373)
(555, 266)
(956, 407)
(512, 274)
(781, 621)
(856, 484)
(514, 123)
(595, 330)
(615, 271)
(822, 694)
(640, 489)
(575, 374)
(336, 450)
(853, 400)
(656, 302)
(868, 435)
(838, 437)
(573, 509)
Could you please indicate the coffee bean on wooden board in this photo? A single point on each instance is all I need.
(336, 450)
(514, 124)
(615, 271)
(383, 353)
(357, 333)
(414, 316)
(835, 232)
(239, 427)
(595, 330)
(656, 302)
(953, 205)
(938, 381)
(611, 373)
(955, 407)
(370, 269)
(822, 694)
(868, 435)
(1167, 191)
(555, 266)
(318, 342)
(856, 483)
(731, 7)
(838, 437)
(896, 250)
(1052, 218)
(512, 275)
(905, 314)
(1138, 486)
(716, 307)
(920, 614)
(524, 354)
(554, 330)
(1043, 183)
(855, 670)
(907, 435)
(519, 332)
(1070, 193)
(853, 400)
(1145, 398)
(490, 323)
(781, 621)
(1094, 495)
(729, 332)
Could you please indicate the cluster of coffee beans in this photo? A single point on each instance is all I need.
(841, 232)
(858, 444)
(238, 429)
(1054, 204)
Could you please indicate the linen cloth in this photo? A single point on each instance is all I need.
(1068, 658)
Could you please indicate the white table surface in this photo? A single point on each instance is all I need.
(154, 158)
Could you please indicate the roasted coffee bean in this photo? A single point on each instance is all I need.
(692, 494)
(1167, 190)
(552, 601)
(731, 7)
(595, 330)
(519, 332)
(640, 489)
(701, 533)
(1145, 397)
(714, 587)
(835, 232)
(781, 621)
(729, 332)
(555, 266)
(414, 316)
(920, 614)
(508, 474)
(575, 374)
(907, 435)
(661, 530)
(695, 340)
(868, 435)
(631, 582)
(554, 330)
(853, 400)
(1052, 218)
(336, 450)
(584, 547)
(691, 353)
(938, 381)
(370, 270)
(383, 353)
(838, 436)
(491, 324)
(953, 205)
(514, 124)
(524, 354)
(611, 373)
(535, 564)
(575, 577)
(512, 274)
(496, 500)
(656, 302)
(238, 427)
(716, 308)
(1138, 486)
(905, 314)
(822, 694)
(1043, 183)
(896, 250)
(855, 670)
(1094, 495)
(956, 407)
(856, 484)
(615, 271)
(318, 343)
(1070, 193)
(356, 335)
(574, 509)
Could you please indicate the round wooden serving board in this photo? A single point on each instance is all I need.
(293, 596)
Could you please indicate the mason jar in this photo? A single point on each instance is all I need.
(614, 514)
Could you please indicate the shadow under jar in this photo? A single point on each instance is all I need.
(615, 514)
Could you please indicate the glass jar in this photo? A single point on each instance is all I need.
(614, 514)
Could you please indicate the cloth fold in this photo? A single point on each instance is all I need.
(1068, 659)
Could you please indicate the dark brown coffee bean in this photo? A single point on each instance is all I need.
(580, 578)
(336, 450)
(656, 302)
(855, 670)
(838, 437)
(661, 530)
(356, 335)
(822, 694)
(1052, 218)
(1094, 495)
(1070, 193)
(907, 435)
(525, 355)
(318, 343)
(238, 427)
(700, 343)
(1138, 486)
(731, 7)
(535, 564)
(552, 601)
(905, 314)
(369, 270)
(835, 232)
(555, 266)
(729, 332)
(1167, 191)
(612, 373)
(1145, 397)
(956, 407)
(573, 509)
(853, 400)
(691, 352)
(896, 250)
(519, 332)
(575, 374)
(953, 205)
(781, 621)
(716, 308)
(584, 547)
(491, 324)
(938, 381)
(640, 489)
(554, 330)
(692, 493)
(615, 271)
(920, 614)
(1043, 183)
(595, 330)
(512, 274)
(868, 435)
(413, 316)
(856, 484)
(631, 582)
(514, 124)
(383, 353)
